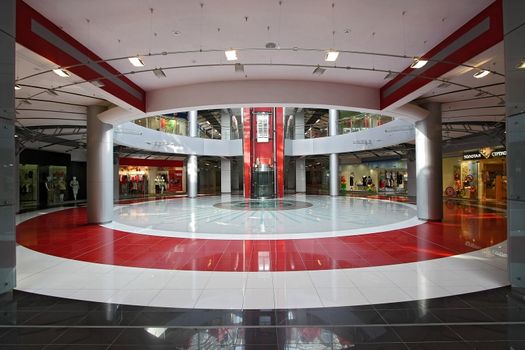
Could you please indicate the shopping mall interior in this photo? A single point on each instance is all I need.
(285, 174)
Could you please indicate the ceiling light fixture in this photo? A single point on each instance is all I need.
(521, 65)
(159, 73)
(231, 55)
(239, 68)
(98, 83)
(443, 85)
(390, 75)
(18, 87)
(318, 70)
(418, 63)
(481, 73)
(331, 56)
(136, 61)
(61, 73)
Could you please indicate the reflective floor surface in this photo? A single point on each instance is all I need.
(492, 319)
(60, 255)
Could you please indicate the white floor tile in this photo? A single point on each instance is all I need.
(227, 280)
(330, 279)
(259, 280)
(292, 280)
(259, 298)
(189, 280)
(341, 296)
(221, 299)
(182, 298)
(133, 297)
(151, 279)
(362, 278)
(295, 298)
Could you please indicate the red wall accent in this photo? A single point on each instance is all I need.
(279, 125)
(150, 162)
(247, 152)
(25, 37)
(481, 43)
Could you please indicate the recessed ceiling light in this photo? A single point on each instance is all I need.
(331, 56)
(61, 73)
(159, 73)
(418, 63)
(136, 61)
(521, 65)
(390, 75)
(481, 73)
(98, 83)
(271, 45)
(17, 87)
(231, 55)
(177, 32)
(318, 70)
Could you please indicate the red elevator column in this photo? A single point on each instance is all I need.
(263, 152)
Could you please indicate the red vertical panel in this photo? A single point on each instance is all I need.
(279, 134)
(247, 151)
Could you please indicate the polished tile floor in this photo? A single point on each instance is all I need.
(492, 319)
(373, 251)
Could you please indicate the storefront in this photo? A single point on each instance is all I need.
(143, 177)
(479, 175)
(386, 177)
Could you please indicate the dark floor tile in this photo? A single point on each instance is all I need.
(426, 333)
(491, 332)
(498, 345)
(398, 306)
(62, 318)
(108, 318)
(460, 315)
(355, 317)
(259, 336)
(454, 302)
(160, 336)
(375, 334)
(35, 336)
(76, 347)
(494, 298)
(75, 305)
(21, 347)
(439, 346)
(35, 302)
(197, 318)
(381, 346)
(505, 315)
(258, 318)
(92, 336)
(408, 316)
(304, 317)
(17, 317)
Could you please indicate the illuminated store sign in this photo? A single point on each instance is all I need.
(485, 153)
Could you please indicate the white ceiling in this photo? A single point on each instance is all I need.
(122, 28)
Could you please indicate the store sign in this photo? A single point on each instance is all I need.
(484, 153)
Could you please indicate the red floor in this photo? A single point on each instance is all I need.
(65, 234)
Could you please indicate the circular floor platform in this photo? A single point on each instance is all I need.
(59, 254)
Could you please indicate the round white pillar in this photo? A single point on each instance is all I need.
(192, 163)
(99, 168)
(333, 119)
(429, 165)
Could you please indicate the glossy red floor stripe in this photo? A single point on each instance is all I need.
(66, 234)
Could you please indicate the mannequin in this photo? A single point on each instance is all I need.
(75, 185)
(50, 187)
(61, 188)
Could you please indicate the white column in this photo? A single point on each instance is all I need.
(429, 165)
(192, 164)
(7, 145)
(300, 168)
(225, 124)
(411, 172)
(226, 181)
(333, 121)
(514, 32)
(99, 168)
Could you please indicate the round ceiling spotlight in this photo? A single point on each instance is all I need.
(177, 33)
(271, 45)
